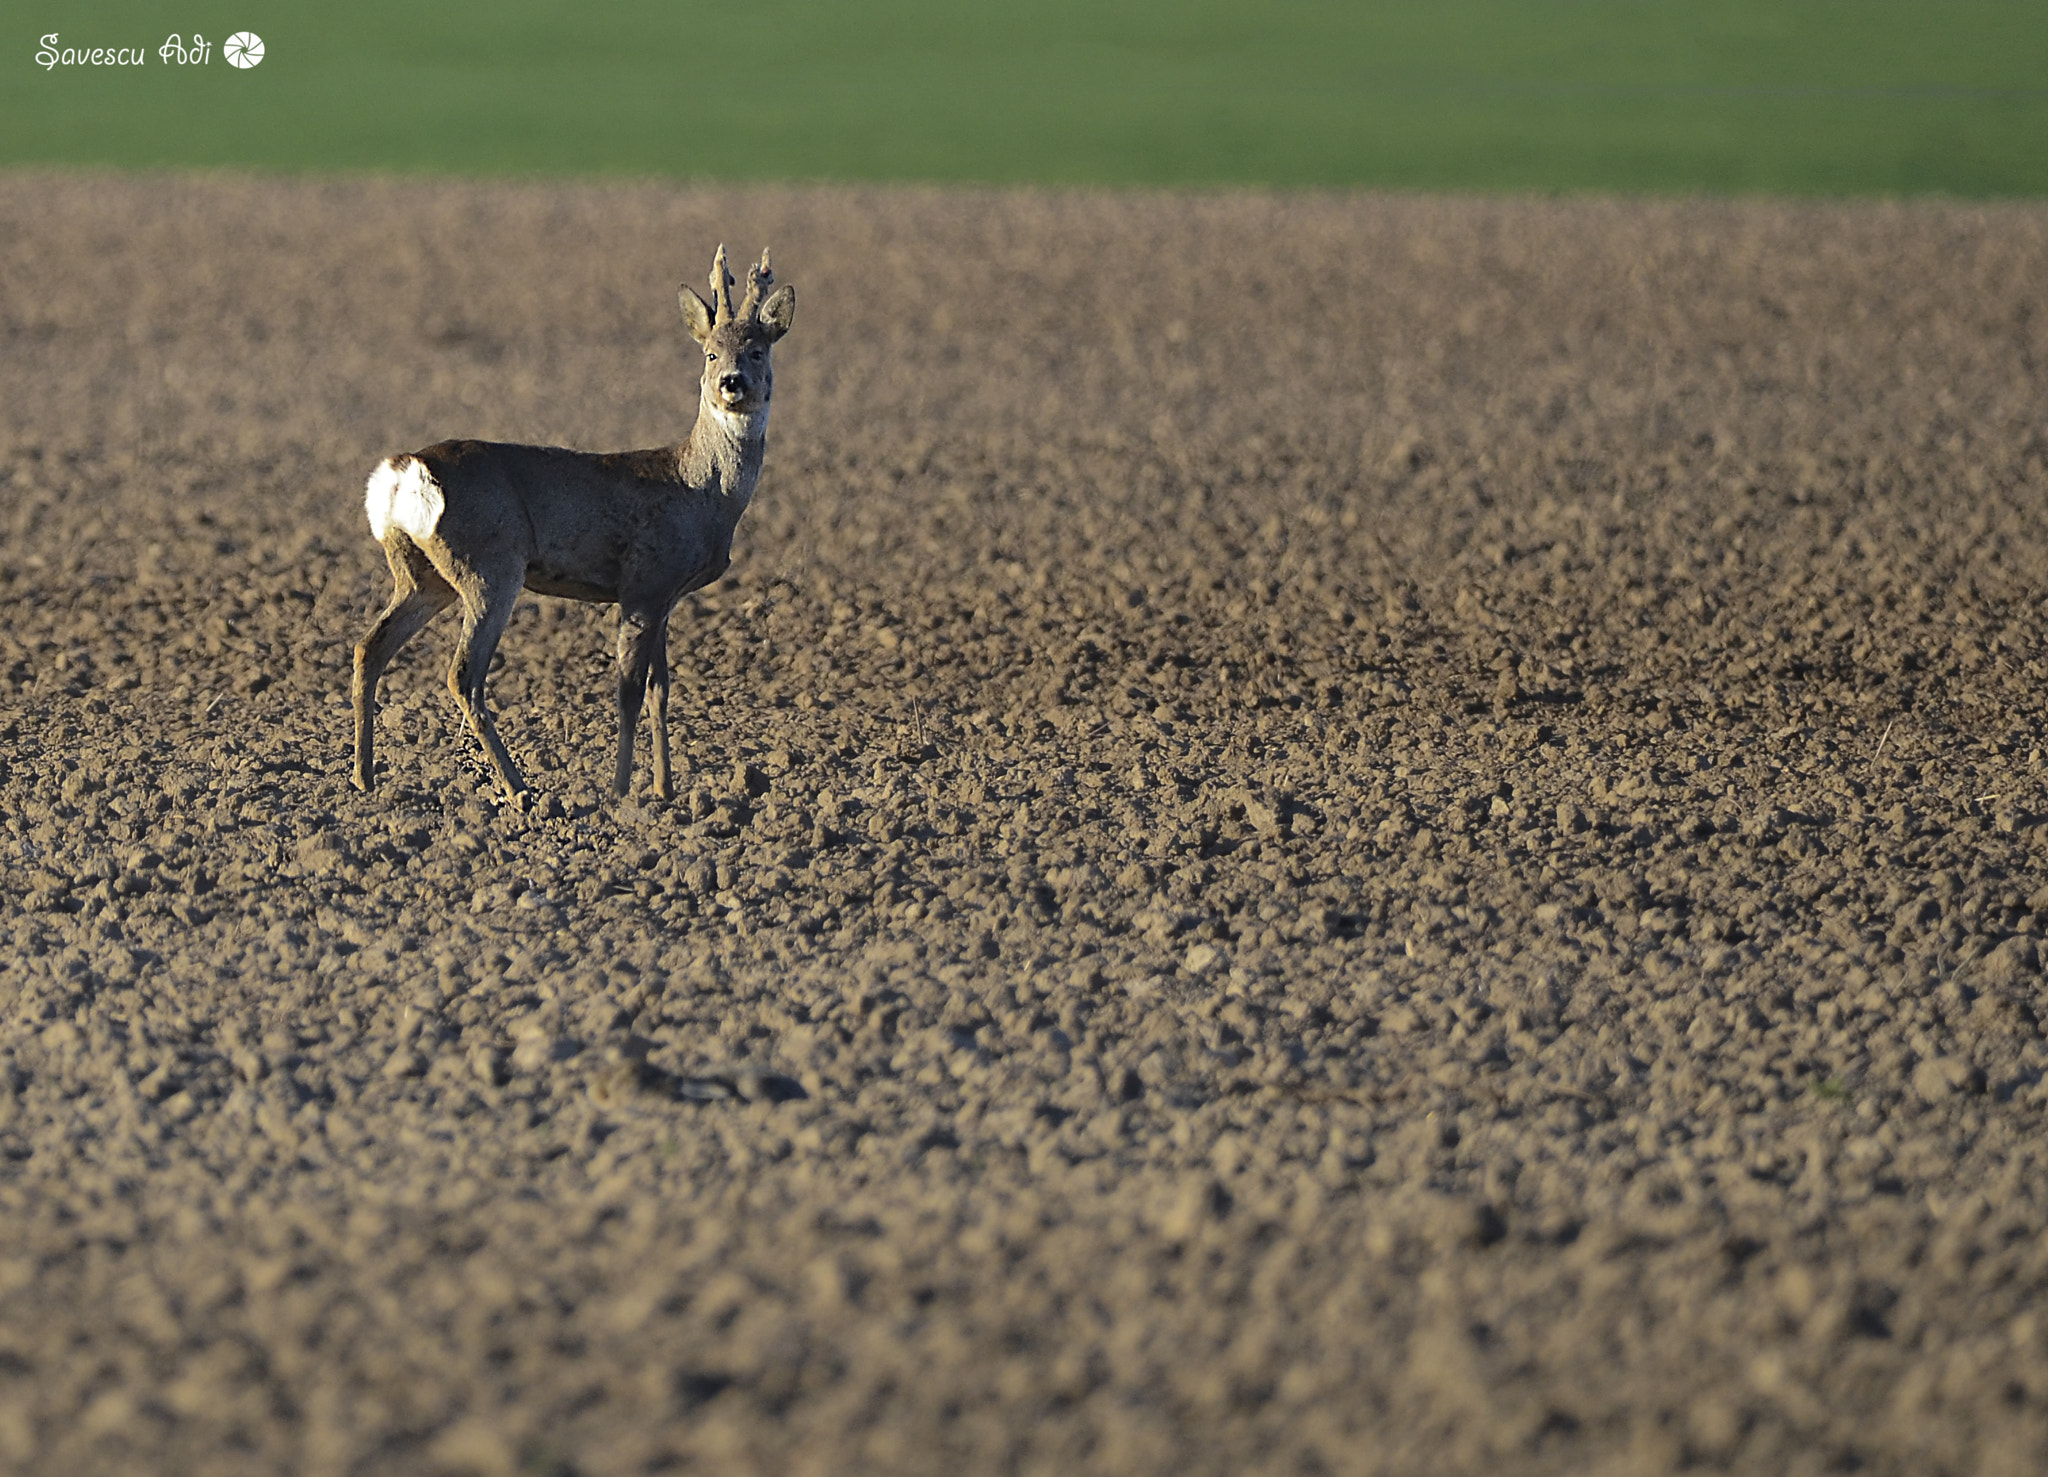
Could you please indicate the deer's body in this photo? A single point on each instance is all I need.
(624, 526)
(475, 522)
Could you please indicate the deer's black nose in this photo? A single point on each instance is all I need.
(732, 384)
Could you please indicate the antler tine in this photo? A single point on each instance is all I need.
(758, 281)
(721, 287)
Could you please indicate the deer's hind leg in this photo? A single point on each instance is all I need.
(486, 608)
(643, 645)
(418, 595)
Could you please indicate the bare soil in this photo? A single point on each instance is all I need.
(1318, 835)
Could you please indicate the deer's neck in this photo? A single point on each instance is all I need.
(723, 454)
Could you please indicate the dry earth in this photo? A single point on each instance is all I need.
(1320, 835)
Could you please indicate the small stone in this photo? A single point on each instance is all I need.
(1201, 959)
(405, 1062)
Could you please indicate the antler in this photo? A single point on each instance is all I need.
(721, 287)
(759, 279)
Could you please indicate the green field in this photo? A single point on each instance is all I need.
(1784, 96)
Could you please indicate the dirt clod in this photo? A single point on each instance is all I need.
(1940, 1078)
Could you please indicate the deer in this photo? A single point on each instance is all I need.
(476, 522)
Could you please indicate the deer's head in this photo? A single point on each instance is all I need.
(738, 377)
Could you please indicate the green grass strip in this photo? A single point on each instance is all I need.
(1879, 97)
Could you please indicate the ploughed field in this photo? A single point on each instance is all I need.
(1314, 834)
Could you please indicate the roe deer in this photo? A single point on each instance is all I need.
(477, 521)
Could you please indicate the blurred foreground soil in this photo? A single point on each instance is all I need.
(1317, 835)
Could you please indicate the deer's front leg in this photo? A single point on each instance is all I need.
(657, 689)
(639, 638)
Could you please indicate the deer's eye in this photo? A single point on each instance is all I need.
(711, 356)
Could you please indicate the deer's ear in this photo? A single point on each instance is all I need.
(778, 312)
(696, 312)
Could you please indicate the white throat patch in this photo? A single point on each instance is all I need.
(740, 426)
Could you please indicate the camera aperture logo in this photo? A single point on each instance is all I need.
(241, 51)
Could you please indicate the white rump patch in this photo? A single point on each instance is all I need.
(402, 494)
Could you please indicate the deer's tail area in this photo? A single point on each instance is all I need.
(402, 494)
